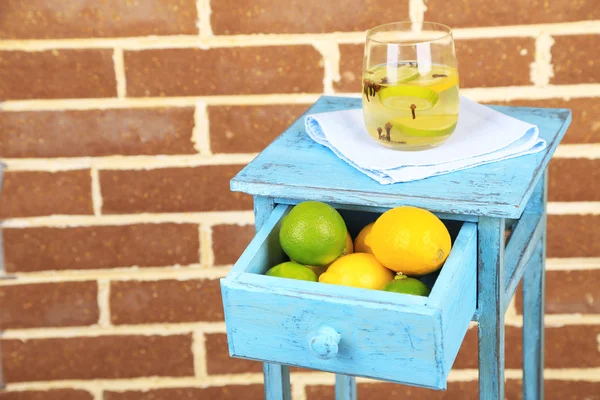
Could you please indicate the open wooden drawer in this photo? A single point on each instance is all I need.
(351, 331)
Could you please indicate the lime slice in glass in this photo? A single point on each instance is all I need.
(393, 75)
(439, 78)
(430, 125)
(402, 98)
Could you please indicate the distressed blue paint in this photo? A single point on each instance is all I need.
(383, 335)
(345, 387)
(491, 300)
(277, 382)
(533, 310)
(296, 168)
(526, 234)
(277, 377)
(455, 293)
(325, 343)
(380, 210)
(389, 336)
(264, 250)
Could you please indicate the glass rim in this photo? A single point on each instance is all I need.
(445, 32)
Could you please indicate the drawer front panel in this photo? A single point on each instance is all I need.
(379, 342)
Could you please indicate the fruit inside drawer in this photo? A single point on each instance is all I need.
(372, 327)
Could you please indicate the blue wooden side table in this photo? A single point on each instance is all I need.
(394, 337)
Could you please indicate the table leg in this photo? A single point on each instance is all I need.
(534, 284)
(345, 387)
(533, 326)
(490, 289)
(277, 377)
(277, 382)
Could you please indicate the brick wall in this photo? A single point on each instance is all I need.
(122, 121)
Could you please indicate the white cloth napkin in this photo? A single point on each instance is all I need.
(482, 136)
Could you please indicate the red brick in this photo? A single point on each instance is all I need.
(585, 126)
(143, 245)
(224, 71)
(229, 242)
(203, 188)
(83, 133)
(573, 236)
(249, 129)
(309, 16)
(376, 391)
(571, 390)
(230, 392)
(573, 179)
(495, 62)
(49, 19)
(56, 74)
(569, 292)
(54, 394)
(168, 301)
(48, 305)
(351, 60)
(30, 194)
(554, 390)
(575, 59)
(569, 346)
(218, 359)
(465, 13)
(100, 357)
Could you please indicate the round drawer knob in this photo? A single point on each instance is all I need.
(324, 344)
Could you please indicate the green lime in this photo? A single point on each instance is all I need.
(404, 284)
(313, 233)
(292, 270)
(404, 98)
(428, 125)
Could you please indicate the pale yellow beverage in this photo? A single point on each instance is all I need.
(408, 106)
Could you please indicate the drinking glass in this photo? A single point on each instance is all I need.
(410, 85)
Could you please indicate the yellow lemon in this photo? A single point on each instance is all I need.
(359, 243)
(410, 240)
(359, 270)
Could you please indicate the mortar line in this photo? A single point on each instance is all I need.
(156, 102)
(156, 329)
(573, 208)
(199, 354)
(416, 12)
(588, 151)
(204, 11)
(166, 329)
(541, 67)
(330, 55)
(96, 192)
(314, 378)
(478, 94)
(104, 320)
(573, 264)
(97, 393)
(126, 162)
(197, 271)
(189, 272)
(207, 256)
(201, 131)
(240, 218)
(119, 66)
(207, 40)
